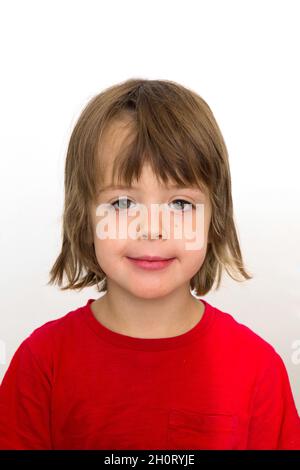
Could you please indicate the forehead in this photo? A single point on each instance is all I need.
(114, 136)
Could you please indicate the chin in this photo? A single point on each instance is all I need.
(150, 292)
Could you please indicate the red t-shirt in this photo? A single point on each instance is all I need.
(75, 384)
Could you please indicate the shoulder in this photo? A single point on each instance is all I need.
(240, 338)
(49, 336)
(247, 353)
(42, 350)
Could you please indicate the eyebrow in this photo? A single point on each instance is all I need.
(169, 187)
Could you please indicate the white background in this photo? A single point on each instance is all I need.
(242, 57)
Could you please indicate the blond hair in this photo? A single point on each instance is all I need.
(173, 130)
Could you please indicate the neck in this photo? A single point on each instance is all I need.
(166, 316)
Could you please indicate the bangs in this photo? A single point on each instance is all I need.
(157, 134)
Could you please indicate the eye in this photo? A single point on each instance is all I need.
(188, 204)
(121, 200)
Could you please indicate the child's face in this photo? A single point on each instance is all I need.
(112, 253)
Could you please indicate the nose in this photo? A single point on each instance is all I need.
(151, 224)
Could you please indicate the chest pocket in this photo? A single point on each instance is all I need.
(197, 430)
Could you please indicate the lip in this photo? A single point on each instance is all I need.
(151, 265)
(149, 258)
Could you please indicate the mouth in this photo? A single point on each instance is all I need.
(149, 258)
(153, 263)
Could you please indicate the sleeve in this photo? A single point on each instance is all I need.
(275, 423)
(25, 398)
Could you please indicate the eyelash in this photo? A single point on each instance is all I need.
(127, 199)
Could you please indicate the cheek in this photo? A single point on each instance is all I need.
(108, 251)
(192, 226)
(191, 262)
